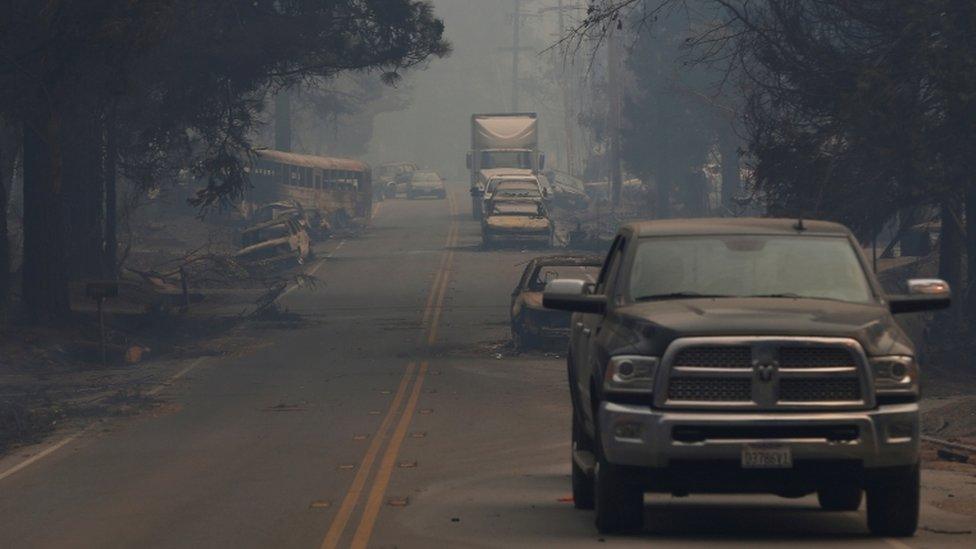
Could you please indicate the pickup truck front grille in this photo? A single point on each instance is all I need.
(715, 357)
(815, 357)
(799, 389)
(764, 373)
(710, 389)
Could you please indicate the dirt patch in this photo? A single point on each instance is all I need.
(953, 420)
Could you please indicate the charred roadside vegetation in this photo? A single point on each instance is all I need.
(110, 109)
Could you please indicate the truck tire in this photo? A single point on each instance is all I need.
(839, 497)
(619, 503)
(893, 503)
(583, 495)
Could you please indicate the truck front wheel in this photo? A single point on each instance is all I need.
(583, 497)
(840, 497)
(893, 503)
(619, 501)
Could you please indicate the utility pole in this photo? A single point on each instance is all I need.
(613, 115)
(567, 80)
(569, 106)
(517, 16)
(516, 44)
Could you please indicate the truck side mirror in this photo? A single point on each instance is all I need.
(567, 294)
(542, 161)
(924, 294)
(467, 160)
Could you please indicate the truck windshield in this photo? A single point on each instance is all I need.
(506, 159)
(748, 266)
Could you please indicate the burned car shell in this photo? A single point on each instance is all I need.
(392, 177)
(530, 321)
(514, 220)
(288, 241)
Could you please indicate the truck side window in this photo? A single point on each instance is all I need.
(611, 265)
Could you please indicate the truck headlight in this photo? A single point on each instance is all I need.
(630, 375)
(895, 375)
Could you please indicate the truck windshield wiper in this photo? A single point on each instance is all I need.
(790, 295)
(678, 295)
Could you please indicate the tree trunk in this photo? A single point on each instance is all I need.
(45, 281)
(970, 290)
(109, 171)
(728, 144)
(950, 246)
(83, 195)
(4, 237)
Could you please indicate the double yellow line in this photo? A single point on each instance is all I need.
(374, 499)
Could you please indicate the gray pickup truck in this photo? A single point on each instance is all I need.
(743, 356)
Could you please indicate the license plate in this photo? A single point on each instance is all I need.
(767, 457)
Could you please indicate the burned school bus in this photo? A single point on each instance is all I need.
(335, 192)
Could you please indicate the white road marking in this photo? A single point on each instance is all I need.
(155, 390)
(897, 544)
(66, 440)
(41, 455)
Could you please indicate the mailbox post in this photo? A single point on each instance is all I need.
(100, 290)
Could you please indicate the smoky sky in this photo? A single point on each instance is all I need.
(434, 130)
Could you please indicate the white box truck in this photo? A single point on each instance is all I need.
(502, 143)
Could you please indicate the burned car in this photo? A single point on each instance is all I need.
(514, 181)
(568, 192)
(532, 324)
(279, 241)
(516, 215)
(392, 177)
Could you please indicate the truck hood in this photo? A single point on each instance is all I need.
(654, 325)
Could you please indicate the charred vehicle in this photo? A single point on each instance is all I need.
(425, 184)
(743, 356)
(568, 192)
(336, 190)
(531, 322)
(314, 223)
(392, 177)
(279, 241)
(513, 181)
(516, 215)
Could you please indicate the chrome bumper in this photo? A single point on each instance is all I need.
(886, 437)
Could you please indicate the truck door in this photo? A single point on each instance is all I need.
(588, 326)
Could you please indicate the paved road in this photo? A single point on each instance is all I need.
(388, 419)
